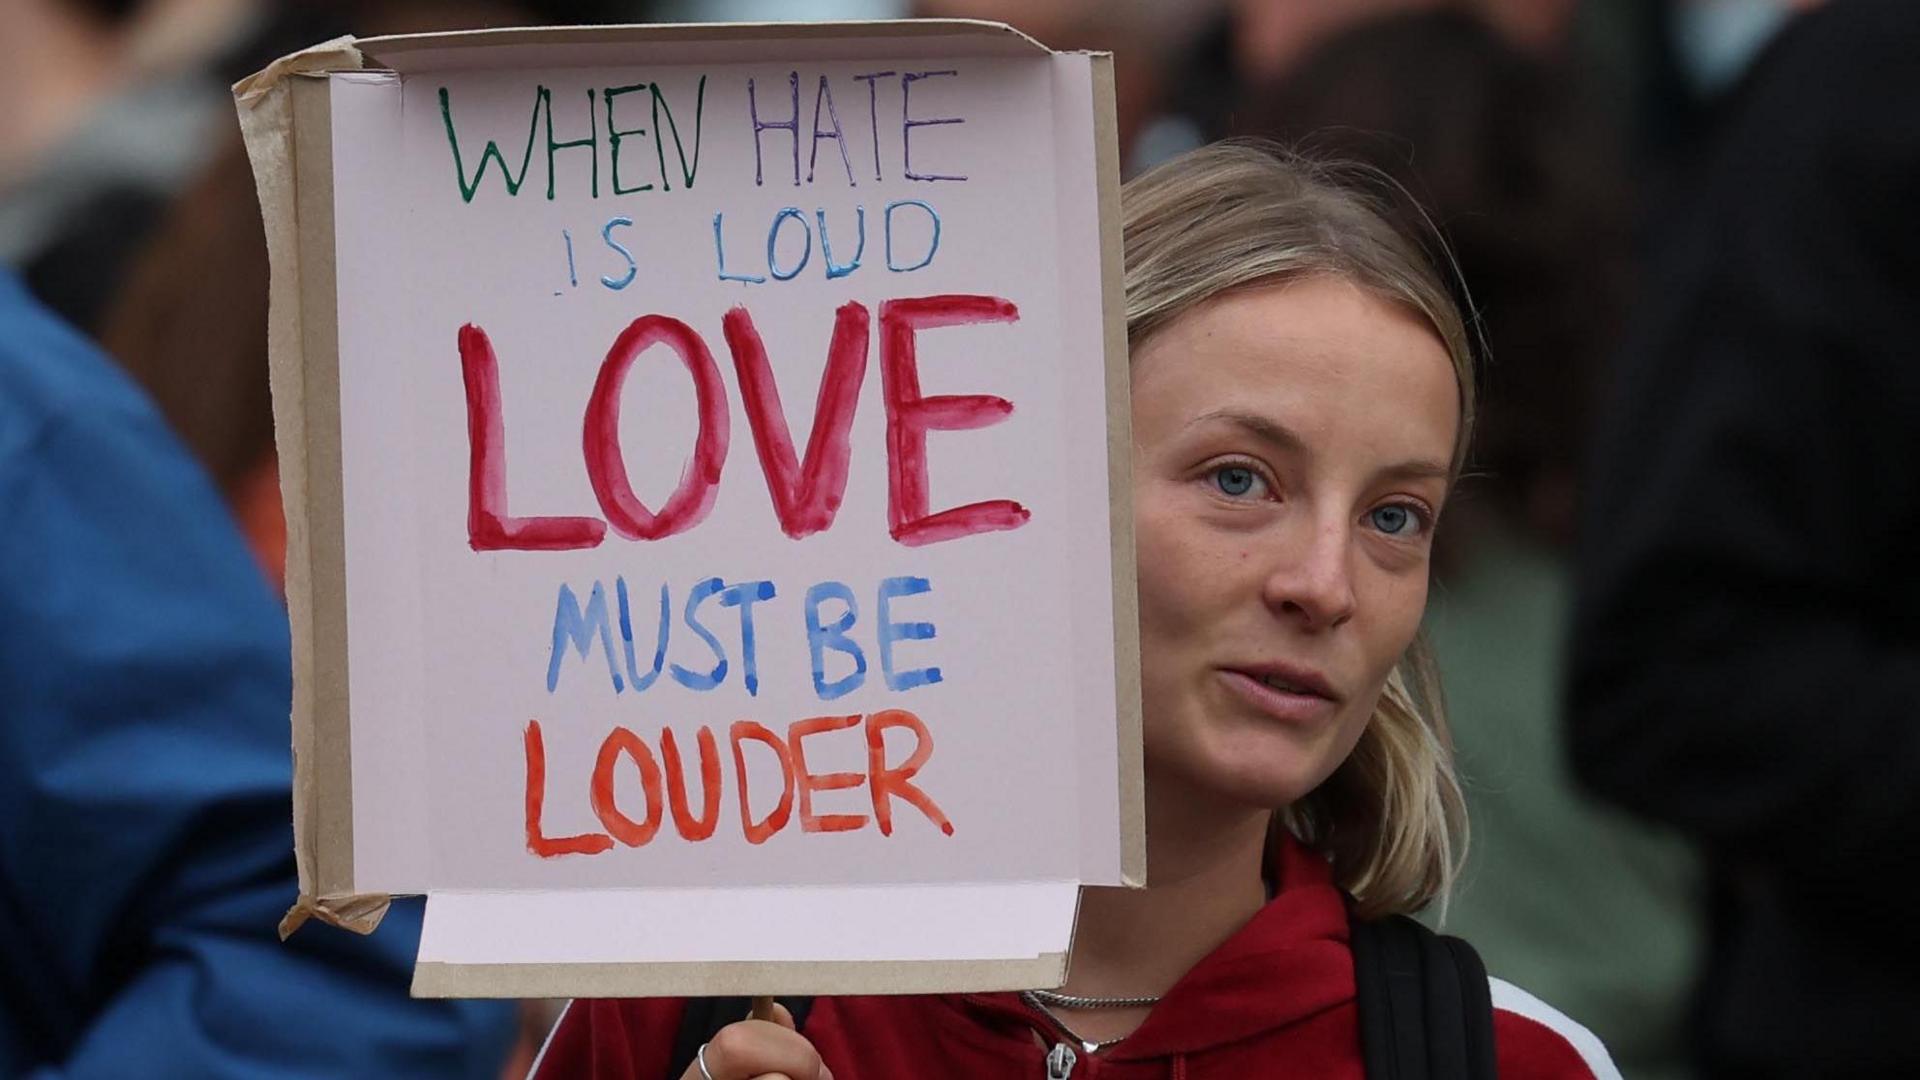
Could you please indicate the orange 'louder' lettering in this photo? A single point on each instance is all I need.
(624, 829)
(810, 782)
(897, 782)
(537, 842)
(758, 832)
(692, 828)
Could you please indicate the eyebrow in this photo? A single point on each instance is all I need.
(1285, 439)
(1260, 427)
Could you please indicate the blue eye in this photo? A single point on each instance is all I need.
(1394, 520)
(1235, 480)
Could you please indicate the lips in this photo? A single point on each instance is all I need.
(1288, 678)
(1284, 692)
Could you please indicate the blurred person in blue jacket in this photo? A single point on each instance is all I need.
(145, 772)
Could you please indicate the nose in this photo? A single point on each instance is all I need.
(1312, 579)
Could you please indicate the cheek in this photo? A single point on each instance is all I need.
(1398, 604)
(1178, 585)
(1354, 723)
(1161, 554)
(1188, 580)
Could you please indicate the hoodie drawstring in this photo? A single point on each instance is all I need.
(1179, 1067)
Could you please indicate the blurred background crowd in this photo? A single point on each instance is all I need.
(1675, 606)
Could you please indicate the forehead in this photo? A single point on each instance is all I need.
(1321, 356)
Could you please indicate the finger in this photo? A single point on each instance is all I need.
(825, 1074)
(773, 1013)
(751, 1048)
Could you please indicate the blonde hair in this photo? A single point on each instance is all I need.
(1239, 214)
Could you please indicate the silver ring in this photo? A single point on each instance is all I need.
(700, 1059)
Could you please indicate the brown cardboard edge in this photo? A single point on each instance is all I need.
(253, 94)
(323, 663)
(360, 914)
(264, 102)
(736, 978)
(265, 110)
(1126, 610)
(389, 48)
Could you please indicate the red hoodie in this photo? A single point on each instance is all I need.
(1275, 999)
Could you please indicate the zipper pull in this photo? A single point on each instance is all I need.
(1060, 1061)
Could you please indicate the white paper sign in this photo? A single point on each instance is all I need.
(727, 479)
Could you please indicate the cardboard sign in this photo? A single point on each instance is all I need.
(705, 462)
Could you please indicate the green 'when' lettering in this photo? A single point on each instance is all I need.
(659, 146)
(492, 153)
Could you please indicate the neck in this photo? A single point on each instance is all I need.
(1204, 871)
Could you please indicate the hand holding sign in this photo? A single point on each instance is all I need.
(766, 1043)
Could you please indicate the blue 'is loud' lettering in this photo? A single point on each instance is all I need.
(911, 231)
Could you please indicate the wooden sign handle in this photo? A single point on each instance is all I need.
(762, 1009)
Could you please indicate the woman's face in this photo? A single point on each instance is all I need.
(1291, 450)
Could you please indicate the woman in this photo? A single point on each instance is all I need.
(1302, 398)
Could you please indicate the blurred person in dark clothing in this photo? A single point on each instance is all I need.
(1747, 642)
(1512, 159)
(1674, 62)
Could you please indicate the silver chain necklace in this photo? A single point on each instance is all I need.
(1041, 999)
(1076, 1001)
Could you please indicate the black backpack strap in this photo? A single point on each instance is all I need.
(1476, 998)
(1388, 988)
(703, 1018)
(1425, 1010)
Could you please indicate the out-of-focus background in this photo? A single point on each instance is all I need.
(1674, 603)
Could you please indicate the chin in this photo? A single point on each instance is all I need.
(1218, 751)
(1269, 777)
(1269, 789)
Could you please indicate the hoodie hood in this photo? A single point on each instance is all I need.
(1232, 995)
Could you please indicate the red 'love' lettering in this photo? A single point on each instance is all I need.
(806, 492)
